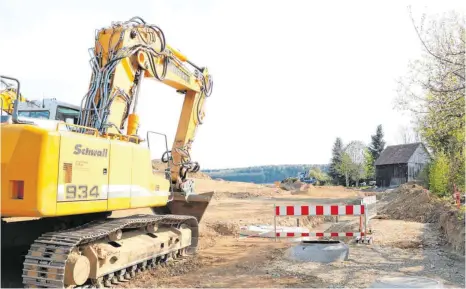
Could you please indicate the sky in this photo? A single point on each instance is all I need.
(289, 76)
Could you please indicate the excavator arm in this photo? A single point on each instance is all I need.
(124, 54)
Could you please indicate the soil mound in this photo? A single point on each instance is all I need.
(412, 202)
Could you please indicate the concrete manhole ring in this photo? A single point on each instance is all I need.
(319, 251)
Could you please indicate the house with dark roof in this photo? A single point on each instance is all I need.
(400, 164)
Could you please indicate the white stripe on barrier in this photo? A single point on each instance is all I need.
(357, 210)
(297, 210)
(327, 211)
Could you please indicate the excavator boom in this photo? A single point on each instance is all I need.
(123, 55)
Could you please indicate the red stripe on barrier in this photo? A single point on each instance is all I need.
(305, 210)
(290, 210)
(277, 211)
(319, 210)
(290, 234)
(333, 234)
(362, 234)
(349, 210)
(305, 234)
(277, 234)
(362, 209)
(349, 234)
(334, 210)
(319, 234)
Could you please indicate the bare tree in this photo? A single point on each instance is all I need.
(344, 167)
(356, 152)
(408, 134)
(435, 85)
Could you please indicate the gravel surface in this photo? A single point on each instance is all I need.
(367, 263)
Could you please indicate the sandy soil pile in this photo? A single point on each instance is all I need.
(293, 186)
(453, 227)
(414, 203)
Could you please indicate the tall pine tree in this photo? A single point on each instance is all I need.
(377, 144)
(336, 160)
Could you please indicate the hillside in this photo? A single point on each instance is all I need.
(261, 174)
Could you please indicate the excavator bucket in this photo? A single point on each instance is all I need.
(195, 205)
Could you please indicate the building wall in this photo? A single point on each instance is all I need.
(391, 175)
(417, 162)
(414, 171)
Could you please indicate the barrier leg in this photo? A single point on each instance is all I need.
(366, 220)
(360, 224)
(275, 221)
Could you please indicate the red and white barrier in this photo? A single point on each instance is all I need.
(321, 210)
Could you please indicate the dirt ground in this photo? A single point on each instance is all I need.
(400, 248)
(225, 259)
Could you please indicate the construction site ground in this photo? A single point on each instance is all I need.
(225, 259)
(400, 248)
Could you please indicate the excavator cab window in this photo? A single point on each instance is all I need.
(41, 114)
(67, 114)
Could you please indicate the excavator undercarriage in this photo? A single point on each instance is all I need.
(106, 252)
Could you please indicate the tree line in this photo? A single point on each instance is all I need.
(264, 174)
(354, 162)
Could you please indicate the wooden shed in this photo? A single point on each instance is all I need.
(400, 164)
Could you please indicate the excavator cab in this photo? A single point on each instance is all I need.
(32, 110)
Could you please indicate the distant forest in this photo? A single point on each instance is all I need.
(261, 174)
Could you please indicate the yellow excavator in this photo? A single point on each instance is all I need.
(70, 176)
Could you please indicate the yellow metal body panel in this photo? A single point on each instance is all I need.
(29, 154)
(67, 173)
(83, 167)
(121, 157)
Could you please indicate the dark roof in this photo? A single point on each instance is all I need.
(397, 154)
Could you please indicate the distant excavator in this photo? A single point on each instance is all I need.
(306, 178)
(73, 166)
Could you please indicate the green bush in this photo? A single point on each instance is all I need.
(439, 172)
